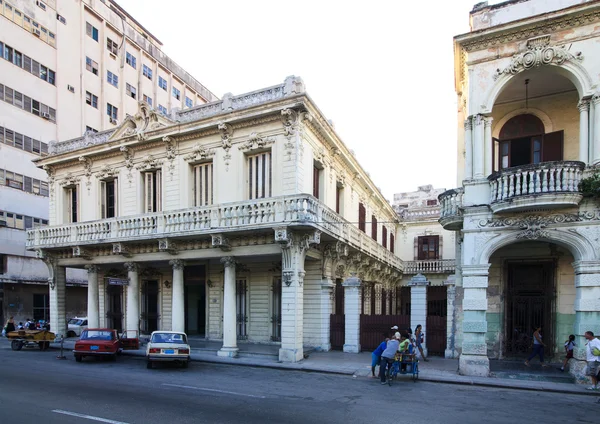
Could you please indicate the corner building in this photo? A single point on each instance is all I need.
(232, 220)
(529, 133)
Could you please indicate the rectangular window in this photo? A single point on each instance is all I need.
(362, 218)
(392, 243)
(339, 191)
(43, 73)
(41, 5)
(51, 76)
(108, 200)
(162, 83)
(162, 109)
(72, 204)
(91, 65)
(112, 79)
(259, 176)
(18, 59)
(41, 307)
(188, 102)
(90, 129)
(148, 100)
(203, 184)
(130, 60)
(373, 227)
(152, 191)
(112, 111)
(384, 237)
(147, 72)
(91, 31)
(176, 93)
(131, 91)
(61, 19)
(316, 181)
(111, 46)
(432, 202)
(428, 247)
(91, 100)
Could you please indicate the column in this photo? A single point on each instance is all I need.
(587, 310)
(596, 149)
(450, 284)
(93, 306)
(229, 348)
(57, 283)
(473, 359)
(488, 145)
(478, 152)
(584, 142)
(468, 148)
(418, 305)
(178, 305)
(132, 313)
(327, 287)
(352, 306)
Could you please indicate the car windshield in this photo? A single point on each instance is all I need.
(75, 321)
(168, 338)
(97, 335)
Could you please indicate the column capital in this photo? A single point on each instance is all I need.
(487, 121)
(132, 266)
(418, 280)
(228, 261)
(177, 264)
(475, 270)
(586, 267)
(596, 99)
(451, 281)
(478, 119)
(468, 124)
(92, 269)
(584, 104)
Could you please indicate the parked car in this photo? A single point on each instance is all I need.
(75, 326)
(99, 342)
(168, 346)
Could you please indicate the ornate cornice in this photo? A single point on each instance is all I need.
(199, 152)
(149, 162)
(255, 142)
(106, 172)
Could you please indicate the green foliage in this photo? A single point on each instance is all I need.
(590, 186)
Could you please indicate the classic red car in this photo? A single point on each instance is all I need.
(97, 342)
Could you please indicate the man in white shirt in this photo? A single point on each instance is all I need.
(593, 361)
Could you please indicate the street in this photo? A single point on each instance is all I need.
(36, 387)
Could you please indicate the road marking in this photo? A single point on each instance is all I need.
(87, 417)
(213, 390)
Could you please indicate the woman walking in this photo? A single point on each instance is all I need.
(538, 347)
(419, 341)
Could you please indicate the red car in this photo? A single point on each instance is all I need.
(97, 342)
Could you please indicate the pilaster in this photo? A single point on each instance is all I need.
(450, 351)
(132, 313)
(229, 348)
(352, 307)
(93, 306)
(178, 301)
(596, 146)
(584, 139)
(57, 284)
(418, 305)
(327, 287)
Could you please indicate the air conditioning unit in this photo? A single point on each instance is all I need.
(113, 121)
(45, 115)
(36, 32)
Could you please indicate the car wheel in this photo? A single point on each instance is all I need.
(78, 358)
(149, 365)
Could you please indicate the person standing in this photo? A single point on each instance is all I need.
(376, 355)
(387, 356)
(569, 346)
(10, 325)
(538, 347)
(592, 356)
(419, 341)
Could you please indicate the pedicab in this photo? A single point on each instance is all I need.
(30, 338)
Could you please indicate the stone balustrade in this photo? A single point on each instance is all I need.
(451, 202)
(304, 210)
(432, 212)
(430, 266)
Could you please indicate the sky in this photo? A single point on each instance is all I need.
(381, 70)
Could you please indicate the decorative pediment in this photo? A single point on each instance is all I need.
(198, 153)
(149, 162)
(226, 131)
(256, 141)
(146, 120)
(69, 180)
(106, 172)
(538, 53)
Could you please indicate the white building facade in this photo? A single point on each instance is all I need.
(67, 68)
(529, 134)
(233, 220)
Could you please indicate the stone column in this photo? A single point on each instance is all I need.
(473, 359)
(488, 146)
(352, 304)
(584, 140)
(596, 149)
(450, 284)
(229, 348)
(469, 148)
(294, 247)
(418, 305)
(478, 147)
(93, 306)
(178, 305)
(587, 310)
(57, 283)
(327, 287)
(132, 313)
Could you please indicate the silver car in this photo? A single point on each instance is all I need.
(168, 346)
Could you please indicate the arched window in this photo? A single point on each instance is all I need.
(523, 142)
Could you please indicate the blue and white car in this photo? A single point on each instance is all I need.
(168, 346)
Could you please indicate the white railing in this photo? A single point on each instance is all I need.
(451, 202)
(546, 177)
(247, 215)
(432, 212)
(430, 266)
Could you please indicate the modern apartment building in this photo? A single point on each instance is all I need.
(66, 68)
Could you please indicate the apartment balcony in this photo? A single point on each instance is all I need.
(430, 266)
(301, 212)
(547, 185)
(451, 201)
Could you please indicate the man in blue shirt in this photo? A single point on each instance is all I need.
(376, 355)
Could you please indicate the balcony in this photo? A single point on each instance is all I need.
(450, 209)
(547, 185)
(430, 266)
(300, 211)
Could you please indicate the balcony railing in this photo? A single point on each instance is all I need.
(304, 210)
(547, 184)
(430, 266)
(420, 214)
(451, 202)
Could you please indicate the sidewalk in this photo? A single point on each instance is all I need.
(505, 374)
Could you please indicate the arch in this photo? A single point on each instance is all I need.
(524, 125)
(548, 124)
(580, 247)
(569, 69)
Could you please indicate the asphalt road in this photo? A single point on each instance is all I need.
(35, 387)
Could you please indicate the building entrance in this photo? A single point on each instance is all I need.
(195, 300)
(114, 310)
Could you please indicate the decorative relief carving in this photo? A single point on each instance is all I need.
(87, 167)
(538, 53)
(226, 134)
(256, 141)
(120, 249)
(128, 154)
(167, 245)
(198, 153)
(106, 172)
(149, 162)
(289, 118)
(145, 120)
(69, 180)
(51, 178)
(132, 266)
(220, 241)
(544, 220)
(228, 261)
(81, 252)
(177, 264)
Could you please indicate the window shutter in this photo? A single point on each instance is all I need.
(103, 199)
(149, 190)
(392, 247)
(373, 227)
(116, 196)
(203, 195)
(552, 146)
(28, 184)
(316, 182)
(158, 192)
(420, 254)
